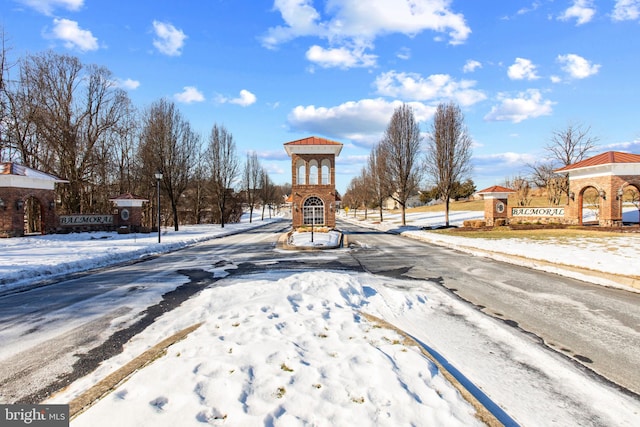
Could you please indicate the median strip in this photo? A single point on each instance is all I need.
(109, 383)
(494, 417)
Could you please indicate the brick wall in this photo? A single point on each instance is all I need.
(610, 208)
(301, 192)
(12, 218)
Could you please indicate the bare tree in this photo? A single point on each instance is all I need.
(268, 193)
(401, 145)
(521, 187)
(251, 180)
(224, 166)
(20, 137)
(448, 154)
(566, 146)
(543, 176)
(198, 190)
(352, 197)
(3, 92)
(170, 146)
(125, 138)
(369, 198)
(571, 145)
(377, 169)
(73, 108)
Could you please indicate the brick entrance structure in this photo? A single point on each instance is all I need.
(495, 204)
(128, 215)
(608, 177)
(313, 190)
(609, 174)
(27, 200)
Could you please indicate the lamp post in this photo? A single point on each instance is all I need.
(158, 178)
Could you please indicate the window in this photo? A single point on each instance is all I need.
(301, 172)
(313, 211)
(326, 167)
(313, 172)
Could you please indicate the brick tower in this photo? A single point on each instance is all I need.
(313, 187)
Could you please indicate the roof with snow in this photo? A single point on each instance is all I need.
(608, 158)
(313, 145)
(128, 196)
(13, 175)
(10, 168)
(128, 200)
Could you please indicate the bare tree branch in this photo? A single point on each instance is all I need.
(448, 153)
(401, 144)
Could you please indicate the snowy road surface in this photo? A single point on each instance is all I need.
(281, 323)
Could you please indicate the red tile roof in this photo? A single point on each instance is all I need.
(608, 158)
(313, 140)
(496, 189)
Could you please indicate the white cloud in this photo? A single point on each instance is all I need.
(189, 95)
(73, 36)
(576, 66)
(627, 146)
(245, 99)
(526, 105)
(471, 65)
(581, 10)
(507, 159)
(413, 86)
(522, 69)
(508, 164)
(47, 6)
(404, 53)
(534, 6)
(361, 22)
(626, 10)
(340, 57)
(169, 40)
(128, 84)
(362, 122)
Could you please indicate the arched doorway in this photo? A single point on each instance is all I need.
(629, 199)
(313, 211)
(33, 216)
(589, 205)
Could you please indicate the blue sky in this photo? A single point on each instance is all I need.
(276, 71)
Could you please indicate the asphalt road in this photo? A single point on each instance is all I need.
(595, 326)
(55, 334)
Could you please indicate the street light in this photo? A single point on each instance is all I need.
(158, 178)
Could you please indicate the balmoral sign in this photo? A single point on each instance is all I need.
(540, 212)
(71, 220)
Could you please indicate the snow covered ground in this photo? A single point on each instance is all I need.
(287, 348)
(616, 256)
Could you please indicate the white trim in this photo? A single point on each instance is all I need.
(494, 195)
(129, 203)
(609, 169)
(313, 149)
(18, 181)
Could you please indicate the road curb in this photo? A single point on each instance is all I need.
(482, 412)
(109, 383)
(580, 273)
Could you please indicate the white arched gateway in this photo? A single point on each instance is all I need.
(313, 211)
